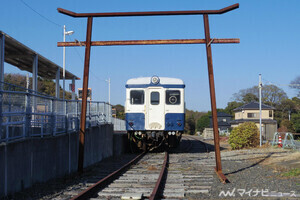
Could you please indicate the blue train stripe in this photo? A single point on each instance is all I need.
(153, 85)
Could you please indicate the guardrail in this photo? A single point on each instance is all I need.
(26, 113)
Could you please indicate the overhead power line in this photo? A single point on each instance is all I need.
(28, 6)
(60, 26)
(290, 85)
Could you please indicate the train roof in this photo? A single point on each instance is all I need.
(161, 82)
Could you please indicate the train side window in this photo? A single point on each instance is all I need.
(137, 96)
(154, 98)
(173, 97)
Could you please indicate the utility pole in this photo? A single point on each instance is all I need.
(64, 58)
(260, 128)
(108, 81)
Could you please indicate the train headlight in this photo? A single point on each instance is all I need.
(173, 133)
(155, 80)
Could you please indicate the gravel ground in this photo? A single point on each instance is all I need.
(251, 178)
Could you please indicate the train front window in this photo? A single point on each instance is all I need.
(173, 97)
(137, 96)
(154, 98)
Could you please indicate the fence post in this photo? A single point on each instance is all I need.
(109, 114)
(9, 110)
(2, 49)
(78, 116)
(52, 118)
(1, 102)
(27, 114)
(66, 116)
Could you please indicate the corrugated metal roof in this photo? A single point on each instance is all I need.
(21, 56)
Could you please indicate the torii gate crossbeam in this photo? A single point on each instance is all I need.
(208, 41)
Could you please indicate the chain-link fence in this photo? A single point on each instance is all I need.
(26, 113)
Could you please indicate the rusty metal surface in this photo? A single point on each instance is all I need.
(150, 13)
(222, 177)
(212, 94)
(94, 189)
(84, 94)
(149, 42)
(155, 192)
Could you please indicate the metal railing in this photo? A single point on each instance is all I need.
(27, 113)
(119, 124)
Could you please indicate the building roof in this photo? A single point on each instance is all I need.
(254, 106)
(222, 114)
(221, 124)
(21, 56)
(264, 121)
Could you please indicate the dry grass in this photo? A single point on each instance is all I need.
(283, 162)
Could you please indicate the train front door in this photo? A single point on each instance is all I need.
(155, 117)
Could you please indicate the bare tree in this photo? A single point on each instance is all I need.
(295, 84)
(271, 95)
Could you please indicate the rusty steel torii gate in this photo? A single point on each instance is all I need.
(208, 41)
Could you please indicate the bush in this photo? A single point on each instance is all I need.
(245, 135)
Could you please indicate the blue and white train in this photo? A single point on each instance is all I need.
(155, 111)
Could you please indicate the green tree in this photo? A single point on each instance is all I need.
(120, 111)
(191, 119)
(244, 135)
(295, 119)
(231, 106)
(190, 125)
(203, 122)
(286, 126)
(45, 86)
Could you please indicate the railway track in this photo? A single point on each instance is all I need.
(186, 172)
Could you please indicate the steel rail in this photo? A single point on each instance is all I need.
(221, 176)
(155, 192)
(206, 148)
(149, 42)
(92, 190)
(148, 13)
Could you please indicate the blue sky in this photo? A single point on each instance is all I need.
(268, 30)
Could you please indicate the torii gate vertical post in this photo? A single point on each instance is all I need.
(213, 99)
(84, 94)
